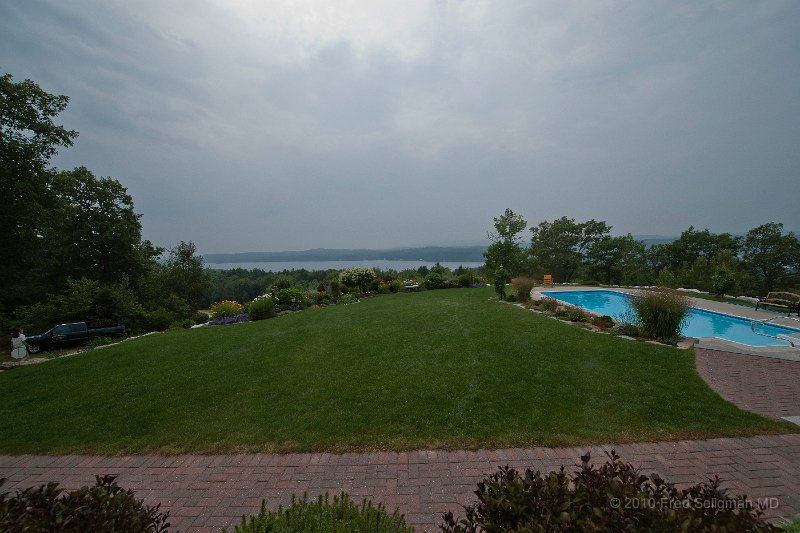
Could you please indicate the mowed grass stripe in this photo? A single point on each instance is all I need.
(445, 369)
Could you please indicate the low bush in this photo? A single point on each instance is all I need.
(199, 318)
(603, 322)
(323, 516)
(225, 309)
(511, 298)
(262, 307)
(661, 314)
(186, 323)
(101, 341)
(105, 507)
(575, 314)
(613, 497)
(290, 299)
(357, 278)
(522, 287)
(467, 279)
(548, 304)
(322, 298)
(434, 280)
(348, 299)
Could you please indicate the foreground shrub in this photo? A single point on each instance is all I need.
(106, 507)
(324, 515)
(522, 288)
(225, 309)
(290, 299)
(661, 314)
(261, 307)
(614, 497)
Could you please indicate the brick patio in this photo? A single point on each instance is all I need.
(769, 387)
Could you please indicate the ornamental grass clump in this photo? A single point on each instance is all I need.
(661, 314)
(325, 516)
(522, 288)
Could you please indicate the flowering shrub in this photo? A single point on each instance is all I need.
(357, 277)
(225, 308)
(261, 307)
(290, 298)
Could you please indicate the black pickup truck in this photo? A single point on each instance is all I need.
(71, 334)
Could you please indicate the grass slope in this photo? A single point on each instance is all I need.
(436, 369)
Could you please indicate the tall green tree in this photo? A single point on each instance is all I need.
(185, 276)
(506, 250)
(617, 260)
(560, 247)
(772, 257)
(29, 137)
(93, 231)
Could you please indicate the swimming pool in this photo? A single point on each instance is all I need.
(701, 323)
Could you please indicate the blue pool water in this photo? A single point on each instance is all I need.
(700, 324)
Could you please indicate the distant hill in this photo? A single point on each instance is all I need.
(426, 253)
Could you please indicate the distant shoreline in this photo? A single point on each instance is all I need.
(382, 264)
(450, 254)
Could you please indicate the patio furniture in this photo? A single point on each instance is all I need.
(783, 300)
(548, 280)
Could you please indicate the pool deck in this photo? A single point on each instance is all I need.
(741, 311)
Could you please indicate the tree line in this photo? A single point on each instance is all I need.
(764, 259)
(72, 242)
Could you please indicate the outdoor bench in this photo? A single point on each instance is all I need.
(784, 300)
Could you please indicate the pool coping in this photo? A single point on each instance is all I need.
(710, 343)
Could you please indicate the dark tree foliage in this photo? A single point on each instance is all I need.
(28, 139)
(560, 247)
(770, 255)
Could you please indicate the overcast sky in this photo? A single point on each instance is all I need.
(259, 125)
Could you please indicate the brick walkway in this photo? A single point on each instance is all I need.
(769, 387)
(206, 493)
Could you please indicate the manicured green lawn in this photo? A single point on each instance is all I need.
(448, 368)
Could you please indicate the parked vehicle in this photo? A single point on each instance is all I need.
(72, 334)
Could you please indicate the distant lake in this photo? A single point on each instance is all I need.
(383, 264)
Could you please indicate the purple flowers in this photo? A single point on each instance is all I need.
(244, 317)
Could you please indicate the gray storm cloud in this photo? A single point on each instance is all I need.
(269, 126)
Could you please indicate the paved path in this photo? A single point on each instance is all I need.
(206, 493)
(769, 387)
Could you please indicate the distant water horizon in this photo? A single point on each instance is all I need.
(382, 264)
